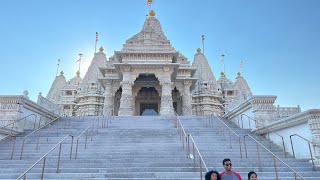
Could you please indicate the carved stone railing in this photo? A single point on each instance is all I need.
(305, 123)
(18, 106)
(47, 104)
(287, 111)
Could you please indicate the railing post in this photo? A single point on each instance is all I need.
(259, 157)
(71, 147)
(59, 157)
(200, 168)
(194, 157)
(43, 166)
(85, 144)
(22, 148)
(292, 147)
(284, 148)
(76, 153)
(313, 166)
(240, 147)
(230, 139)
(275, 167)
(245, 145)
(14, 145)
(38, 140)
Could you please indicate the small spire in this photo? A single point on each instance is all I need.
(61, 73)
(101, 49)
(198, 50)
(152, 13)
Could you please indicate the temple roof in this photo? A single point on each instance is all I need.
(74, 83)
(242, 85)
(58, 83)
(203, 73)
(150, 38)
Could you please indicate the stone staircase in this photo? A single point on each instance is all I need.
(213, 143)
(130, 148)
(142, 148)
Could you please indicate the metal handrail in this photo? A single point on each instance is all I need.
(274, 158)
(187, 138)
(24, 118)
(24, 138)
(230, 130)
(201, 161)
(182, 133)
(86, 130)
(309, 142)
(282, 139)
(45, 156)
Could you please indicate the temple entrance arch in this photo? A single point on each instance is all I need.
(147, 96)
(177, 101)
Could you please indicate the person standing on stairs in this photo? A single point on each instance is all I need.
(252, 175)
(212, 175)
(228, 174)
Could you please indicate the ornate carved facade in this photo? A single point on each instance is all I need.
(146, 74)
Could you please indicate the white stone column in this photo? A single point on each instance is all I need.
(166, 108)
(314, 124)
(108, 100)
(126, 99)
(186, 99)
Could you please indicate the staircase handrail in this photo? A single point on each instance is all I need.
(282, 139)
(86, 130)
(24, 118)
(45, 156)
(25, 137)
(274, 157)
(230, 130)
(187, 138)
(309, 142)
(195, 147)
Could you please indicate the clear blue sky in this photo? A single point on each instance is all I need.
(279, 41)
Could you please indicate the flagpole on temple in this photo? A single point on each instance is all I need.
(222, 60)
(203, 43)
(95, 46)
(241, 69)
(58, 64)
(79, 60)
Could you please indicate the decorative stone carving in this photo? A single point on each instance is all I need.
(314, 124)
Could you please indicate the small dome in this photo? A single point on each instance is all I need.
(152, 13)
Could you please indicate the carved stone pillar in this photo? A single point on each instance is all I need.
(166, 98)
(186, 99)
(126, 99)
(314, 124)
(108, 100)
(264, 110)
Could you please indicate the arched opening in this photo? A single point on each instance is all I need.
(177, 101)
(117, 98)
(147, 98)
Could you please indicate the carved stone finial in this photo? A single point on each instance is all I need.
(152, 13)
(198, 50)
(61, 73)
(25, 94)
(78, 73)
